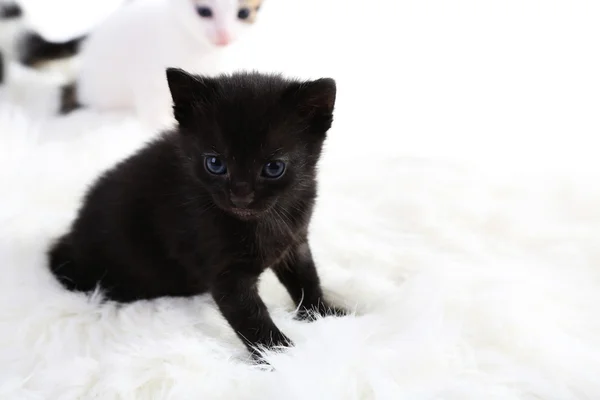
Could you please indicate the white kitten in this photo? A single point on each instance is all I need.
(123, 62)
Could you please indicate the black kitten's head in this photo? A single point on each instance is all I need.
(253, 139)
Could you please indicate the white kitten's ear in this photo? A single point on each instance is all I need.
(189, 93)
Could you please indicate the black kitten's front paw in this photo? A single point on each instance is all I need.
(323, 310)
(274, 340)
(277, 341)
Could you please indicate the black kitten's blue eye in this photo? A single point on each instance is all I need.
(215, 165)
(205, 12)
(243, 13)
(273, 169)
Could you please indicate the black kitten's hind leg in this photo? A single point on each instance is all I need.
(65, 270)
(68, 99)
(299, 276)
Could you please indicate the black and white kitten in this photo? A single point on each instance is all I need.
(209, 206)
(31, 49)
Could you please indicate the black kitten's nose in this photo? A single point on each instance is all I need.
(241, 194)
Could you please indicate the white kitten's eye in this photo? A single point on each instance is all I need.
(244, 13)
(204, 12)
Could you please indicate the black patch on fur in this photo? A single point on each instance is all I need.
(34, 49)
(159, 224)
(2, 68)
(10, 11)
(68, 99)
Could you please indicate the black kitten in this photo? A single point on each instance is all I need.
(211, 205)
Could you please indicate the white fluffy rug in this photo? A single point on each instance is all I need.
(469, 279)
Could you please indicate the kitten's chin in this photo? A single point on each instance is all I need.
(245, 214)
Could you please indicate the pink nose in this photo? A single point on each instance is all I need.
(223, 38)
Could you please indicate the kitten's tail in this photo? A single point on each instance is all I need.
(65, 270)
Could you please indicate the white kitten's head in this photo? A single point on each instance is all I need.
(220, 22)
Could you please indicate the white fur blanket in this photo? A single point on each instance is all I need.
(469, 279)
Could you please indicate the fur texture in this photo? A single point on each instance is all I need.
(467, 285)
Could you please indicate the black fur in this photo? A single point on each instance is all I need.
(2, 68)
(10, 11)
(159, 224)
(34, 49)
(68, 99)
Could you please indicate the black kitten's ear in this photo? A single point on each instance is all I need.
(319, 94)
(315, 100)
(189, 93)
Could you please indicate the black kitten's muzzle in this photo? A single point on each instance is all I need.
(241, 201)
